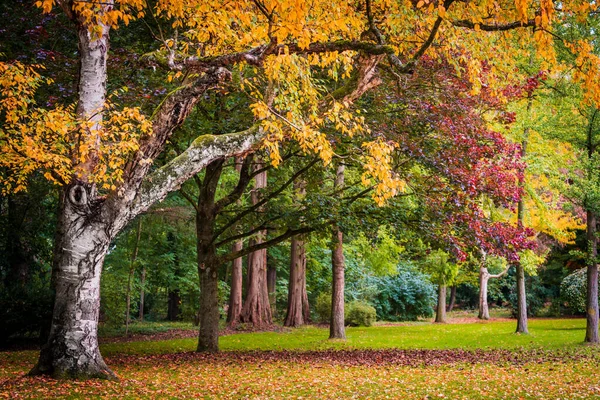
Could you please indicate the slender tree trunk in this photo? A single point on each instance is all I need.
(235, 295)
(272, 286)
(82, 242)
(142, 292)
(452, 298)
(130, 276)
(257, 309)
(297, 309)
(521, 301)
(440, 315)
(591, 331)
(484, 276)
(337, 329)
(521, 293)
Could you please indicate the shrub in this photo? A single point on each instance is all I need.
(359, 313)
(573, 291)
(323, 307)
(405, 296)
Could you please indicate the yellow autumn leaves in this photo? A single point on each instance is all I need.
(34, 139)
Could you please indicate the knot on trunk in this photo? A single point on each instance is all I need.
(78, 195)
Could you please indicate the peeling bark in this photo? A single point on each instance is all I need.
(72, 348)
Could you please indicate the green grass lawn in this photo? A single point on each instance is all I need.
(549, 363)
(545, 333)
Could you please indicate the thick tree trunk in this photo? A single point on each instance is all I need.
(208, 336)
(591, 330)
(257, 309)
(142, 292)
(440, 315)
(82, 242)
(484, 276)
(337, 329)
(235, 295)
(83, 234)
(208, 268)
(452, 298)
(297, 309)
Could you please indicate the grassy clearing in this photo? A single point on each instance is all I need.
(547, 334)
(151, 370)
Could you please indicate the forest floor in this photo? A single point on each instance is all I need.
(419, 360)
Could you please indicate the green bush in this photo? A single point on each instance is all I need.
(405, 296)
(358, 313)
(573, 291)
(323, 307)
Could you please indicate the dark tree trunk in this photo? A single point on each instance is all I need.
(208, 268)
(235, 295)
(452, 298)
(82, 242)
(591, 331)
(208, 336)
(173, 305)
(440, 315)
(257, 309)
(297, 309)
(336, 327)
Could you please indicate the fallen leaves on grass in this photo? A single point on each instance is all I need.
(326, 374)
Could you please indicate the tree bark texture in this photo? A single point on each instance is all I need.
(298, 312)
(257, 309)
(72, 348)
(235, 295)
(440, 315)
(337, 329)
(208, 267)
(591, 330)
